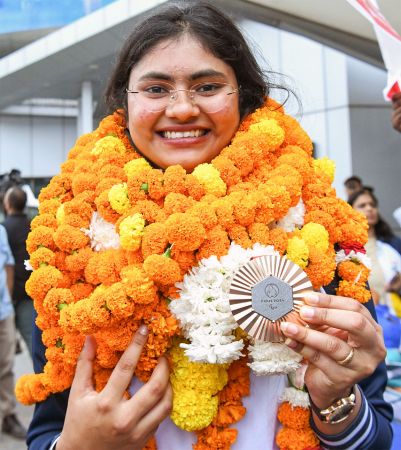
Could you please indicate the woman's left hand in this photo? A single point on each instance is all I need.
(343, 345)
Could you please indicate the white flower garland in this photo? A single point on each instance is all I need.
(353, 256)
(294, 217)
(207, 322)
(102, 234)
(295, 397)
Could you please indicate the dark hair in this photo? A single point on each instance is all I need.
(16, 198)
(212, 28)
(382, 229)
(352, 181)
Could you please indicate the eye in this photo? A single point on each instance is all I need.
(156, 90)
(208, 88)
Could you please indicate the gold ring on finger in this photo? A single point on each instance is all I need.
(347, 359)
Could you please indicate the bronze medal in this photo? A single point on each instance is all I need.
(266, 291)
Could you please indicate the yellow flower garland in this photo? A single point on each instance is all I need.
(167, 221)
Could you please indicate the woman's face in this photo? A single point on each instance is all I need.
(183, 132)
(367, 206)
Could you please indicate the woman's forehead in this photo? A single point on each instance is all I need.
(183, 58)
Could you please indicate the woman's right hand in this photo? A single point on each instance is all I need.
(108, 420)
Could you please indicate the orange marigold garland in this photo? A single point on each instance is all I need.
(114, 236)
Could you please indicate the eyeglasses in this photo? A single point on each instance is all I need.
(210, 96)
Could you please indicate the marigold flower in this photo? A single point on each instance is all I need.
(78, 260)
(155, 184)
(105, 267)
(185, 260)
(326, 166)
(353, 271)
(30, 389)
(293, 417)
(176, 203)
(216, 243)
(185, 231)
(42, 257)
(240, 236)
(315, 235)
(259, 232)
(195, 189)
(324, 219)
(154, 239)
(194, 387)
(355, 291)
(134, 167)
(162, 270)
(105, 184)
(80, 290)
(41, 281)
(118, 198)
(279, 239)
(210, 179)
(298, 251)
(138, 285)
(230, 174)
(104, 208)
(131, 230)
(118, 302)
(46, 219)
(84, 182)
(69, 239)
(174, 180)
(56, 299)
(294, 439)
(206, 215)
(41, 236)
(150, 211)
(49, 206)
(108, 143)
(321, 267)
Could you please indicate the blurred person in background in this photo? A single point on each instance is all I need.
(352, 184)
(17, 226)
(383, 248)
(8, 419)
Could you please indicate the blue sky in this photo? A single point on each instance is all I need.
(21, 15)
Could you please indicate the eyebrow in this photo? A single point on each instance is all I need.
(194, 76)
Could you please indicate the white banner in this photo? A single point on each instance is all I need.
(389, 41)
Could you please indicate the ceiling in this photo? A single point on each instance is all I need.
(89, 55)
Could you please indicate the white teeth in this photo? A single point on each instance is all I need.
(182, 134)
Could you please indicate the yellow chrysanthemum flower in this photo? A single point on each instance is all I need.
(195, 386)
(209, 177)
(271, 129)
(315, 235)
(131, 231)
(298, 251)
(60, 215)
(118, 198)
(326, 165)
(108, 143)
(136, 166)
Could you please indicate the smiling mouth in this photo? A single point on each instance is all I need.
(183, 134)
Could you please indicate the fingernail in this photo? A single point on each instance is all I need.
(307, 312)
(86, 343)
(312, 298)
(290, 343)
(289, 328)
(143, 329)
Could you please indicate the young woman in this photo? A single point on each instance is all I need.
(383, 247)
(186, 80)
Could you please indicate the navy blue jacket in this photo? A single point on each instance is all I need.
(48, 418)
